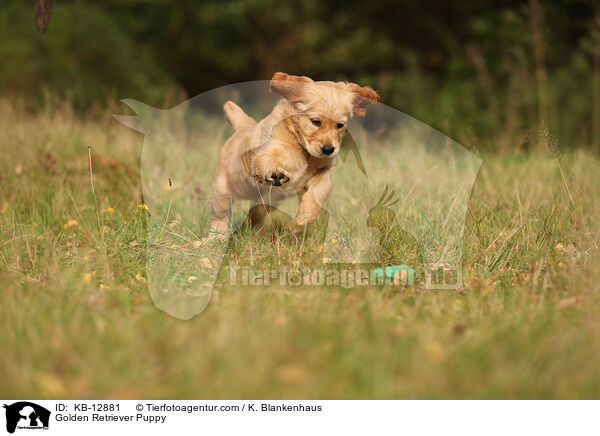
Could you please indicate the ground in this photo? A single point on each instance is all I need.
(77, 320)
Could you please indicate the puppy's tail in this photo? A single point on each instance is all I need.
(237, 117)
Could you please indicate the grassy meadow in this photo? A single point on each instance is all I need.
(77, 320)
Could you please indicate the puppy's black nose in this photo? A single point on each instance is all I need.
(327, 149)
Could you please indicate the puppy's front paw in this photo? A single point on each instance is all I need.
(275, 176)
(304, 217)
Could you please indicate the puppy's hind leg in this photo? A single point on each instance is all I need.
(220, 208)
(266, 217)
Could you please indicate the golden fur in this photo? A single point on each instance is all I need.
(289, 152)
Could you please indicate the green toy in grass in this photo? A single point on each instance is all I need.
(395, 244)
(396, 274)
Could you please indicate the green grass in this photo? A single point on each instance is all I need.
(77, 320)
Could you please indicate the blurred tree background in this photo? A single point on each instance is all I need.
(489, 74)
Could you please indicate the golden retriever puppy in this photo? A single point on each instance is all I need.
(290, 152)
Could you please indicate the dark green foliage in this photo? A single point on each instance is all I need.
(465, 68)
(85, 56)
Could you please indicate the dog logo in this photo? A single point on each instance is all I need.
(26, 415)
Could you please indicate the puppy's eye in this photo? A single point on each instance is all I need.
(316, 122)
(340, 125)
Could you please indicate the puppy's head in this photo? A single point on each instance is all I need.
(321, 110)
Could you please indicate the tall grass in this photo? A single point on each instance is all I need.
(77, 320)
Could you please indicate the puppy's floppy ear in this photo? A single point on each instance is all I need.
(289, 87)
(363, 97)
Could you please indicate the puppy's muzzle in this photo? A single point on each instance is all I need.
(327, 149)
